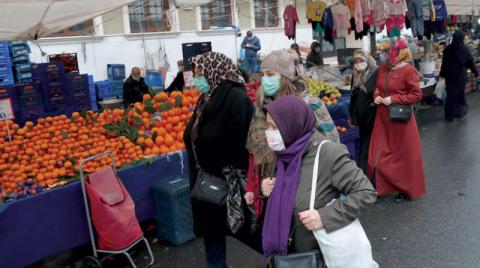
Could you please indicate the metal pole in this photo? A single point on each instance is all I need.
(235, 26)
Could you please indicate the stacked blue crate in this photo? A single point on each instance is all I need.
(104, 89)
(93, 94)
(30, 101)
(8, 92)
(79, 91)
(6, 72)
(116, 75)
(154, 80)
(20, 54)
(173, 210)
(54, 88)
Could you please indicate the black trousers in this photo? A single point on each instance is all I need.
(216, 247)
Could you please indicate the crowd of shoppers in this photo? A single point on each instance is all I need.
(275, 141)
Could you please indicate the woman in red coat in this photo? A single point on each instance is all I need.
(395, 157)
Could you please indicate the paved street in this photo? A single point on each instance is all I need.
(439, 230)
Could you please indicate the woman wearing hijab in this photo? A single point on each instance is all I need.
(362, 108)
(215, 138)
(395, 156)
(280, 70)
(315, 57)
(295, 143)
(456, 60)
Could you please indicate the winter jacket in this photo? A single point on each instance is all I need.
(222, 134)
(338, 174)
(133, 90)
(251, 52)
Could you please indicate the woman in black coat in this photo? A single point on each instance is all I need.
(217, 132)
(362, 108)
(456, 60)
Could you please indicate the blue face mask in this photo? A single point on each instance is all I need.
(201, 84)
(270, 85)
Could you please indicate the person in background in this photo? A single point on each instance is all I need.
(315, 57)
(296, 47)
(252, 45)
(362, 108)
(295, 143)
(280, 78)
(134, 87)
(395, 162)
(215, 138)
(457, 58)
(179, 81)
(383, 52)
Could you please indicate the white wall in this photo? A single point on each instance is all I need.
(128, 49)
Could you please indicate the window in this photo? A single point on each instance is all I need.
(81, 29)
(266, 13)
(149, 16)
(217, 13)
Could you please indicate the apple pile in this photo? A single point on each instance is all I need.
(252, 89)
(326, 92)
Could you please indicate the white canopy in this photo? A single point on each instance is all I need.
(31, 19)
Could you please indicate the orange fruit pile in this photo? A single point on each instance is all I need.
(49, 151)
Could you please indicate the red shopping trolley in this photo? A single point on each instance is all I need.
(111, 209)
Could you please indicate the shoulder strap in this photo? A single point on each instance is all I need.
(315, 174)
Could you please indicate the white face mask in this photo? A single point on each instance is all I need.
(361, 66)
(275, 141)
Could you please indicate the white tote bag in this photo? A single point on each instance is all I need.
(348, 247)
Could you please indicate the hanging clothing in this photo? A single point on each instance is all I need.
(415, 16)
(395, 24)
(341, 19)
(396, 7)
(395, 155)
(380, 14)
(457, 58)
(290, 18)
(358, 17)
(315, 10)
(441, 13)
(329, 25)
(351, 4)
(428, 10)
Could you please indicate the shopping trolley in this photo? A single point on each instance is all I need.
(111, 210)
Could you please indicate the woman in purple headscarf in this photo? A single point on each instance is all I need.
(291, 133)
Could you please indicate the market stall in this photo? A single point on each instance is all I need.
(54, 221)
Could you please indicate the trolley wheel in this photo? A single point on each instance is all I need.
(91, 262)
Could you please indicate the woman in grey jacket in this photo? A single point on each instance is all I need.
(295, 142)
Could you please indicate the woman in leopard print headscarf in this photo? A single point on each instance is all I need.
(217, 132)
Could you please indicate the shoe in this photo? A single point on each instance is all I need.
(400, 197)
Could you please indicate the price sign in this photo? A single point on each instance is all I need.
(6, 109)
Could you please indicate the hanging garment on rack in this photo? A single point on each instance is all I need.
(341, 19)
(358, 21)
(351, 4)
(315, 10)
(395, 23)
(290, 18)
(329, 25)
(441, 13)
(415, 16)
(428, 10)
(396, 7)
(380, 14)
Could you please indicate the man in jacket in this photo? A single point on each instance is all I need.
(134, 87)
(251, 44)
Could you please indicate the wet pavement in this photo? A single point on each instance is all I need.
(440, 230)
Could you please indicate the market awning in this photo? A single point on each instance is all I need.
(32, 19)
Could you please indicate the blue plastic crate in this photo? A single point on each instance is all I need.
(154, 79)
(104, 89)
(23, 76)
(4, 45)
(48, 70)
(117, 88)
(20, 53)
(93, 94)
(173, 210)
(8, 91)
(17, 48)
(17, 43)
(30, 101)
(55, 96)
(5, 67)
(6, 79)
(21, 59)
(116, 72)
(5, 56)
(79, 90)
(23, 67)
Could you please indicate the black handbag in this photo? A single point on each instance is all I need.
(209, 188)
(307, 259)
(398, 112)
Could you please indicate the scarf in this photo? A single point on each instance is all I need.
(296, 134)
(361, 77)
(460, 49)
(216, 68)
